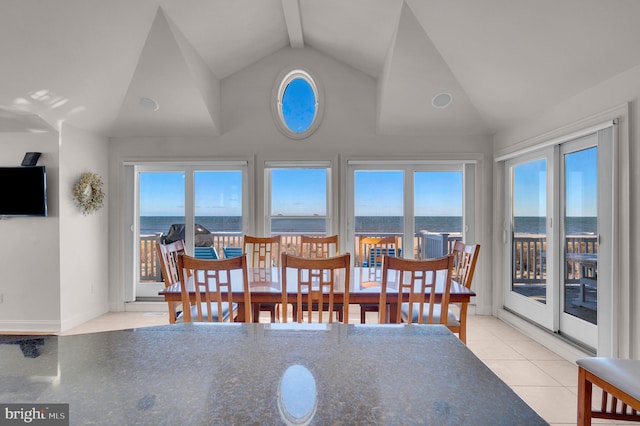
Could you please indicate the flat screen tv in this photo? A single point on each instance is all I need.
(23, 191)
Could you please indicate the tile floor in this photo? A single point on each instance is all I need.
(547, 382)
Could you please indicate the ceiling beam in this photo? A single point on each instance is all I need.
(292, 17)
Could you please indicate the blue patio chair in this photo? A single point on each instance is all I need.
(376, 253)
(232, 252)
(206, 253)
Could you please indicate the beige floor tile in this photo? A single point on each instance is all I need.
(521, 373)
(563, 371)
(533, 350)
(554, 403)
(478, 331)
(507, 333)
(120, 321)
(493, 349)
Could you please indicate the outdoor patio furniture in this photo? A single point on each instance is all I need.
(206, 253)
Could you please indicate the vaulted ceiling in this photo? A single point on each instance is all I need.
(89, 62)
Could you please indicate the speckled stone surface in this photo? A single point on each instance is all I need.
(223, 374)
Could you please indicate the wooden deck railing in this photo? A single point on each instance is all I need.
(529, 259)
(529, 262)
(150, 268)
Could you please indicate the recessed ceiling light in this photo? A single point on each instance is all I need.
(148, 103)
(441, 100)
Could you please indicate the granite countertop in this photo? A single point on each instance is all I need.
(261, 374)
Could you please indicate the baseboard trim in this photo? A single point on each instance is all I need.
(146, 306)
(25, 326)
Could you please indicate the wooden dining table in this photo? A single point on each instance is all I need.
(265, 285)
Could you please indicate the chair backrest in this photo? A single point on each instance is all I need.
(317, 281)
(205, 253)
(418, 281)
(168, 256)
(318, 247)
(465, 258)
(373, 248)
(262, 252)
(212, 285)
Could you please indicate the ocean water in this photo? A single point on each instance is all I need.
(371, 224)
(574, 225)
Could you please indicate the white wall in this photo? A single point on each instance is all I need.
(347, 130)
(84, 271)
(615, 92)
(30, 253)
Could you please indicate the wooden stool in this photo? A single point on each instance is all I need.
(618, 379)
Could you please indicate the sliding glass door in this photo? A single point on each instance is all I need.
(557, 215)
(529, 237)
(579, 233)
(204, 205)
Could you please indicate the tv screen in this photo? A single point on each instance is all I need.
(23, 191)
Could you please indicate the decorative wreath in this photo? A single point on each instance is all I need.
(88, 193)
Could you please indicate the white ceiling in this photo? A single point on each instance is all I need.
(88, 62)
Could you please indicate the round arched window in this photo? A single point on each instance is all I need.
(297, 103)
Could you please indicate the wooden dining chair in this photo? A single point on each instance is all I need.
(619, 382)
(168, 257)
(317, 282)
(465, 258)
(212, 286)
(370, 254)
(263, 252)
(318, 247)
(417, 281)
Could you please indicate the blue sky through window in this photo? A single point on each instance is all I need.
(217, 193)
(438, 193)
(298, 192)
(162, 194)
(581, 185)
(530, 189)
(301, 192)
(298, 105)
(381, 193)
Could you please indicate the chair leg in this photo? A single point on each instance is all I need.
(256, 312)
(172, 312)
(462, 334)
(584, 398)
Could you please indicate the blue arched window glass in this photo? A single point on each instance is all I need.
(298, 104)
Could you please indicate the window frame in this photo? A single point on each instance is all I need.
(327, 165)
(281, 84)
(410, 167)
